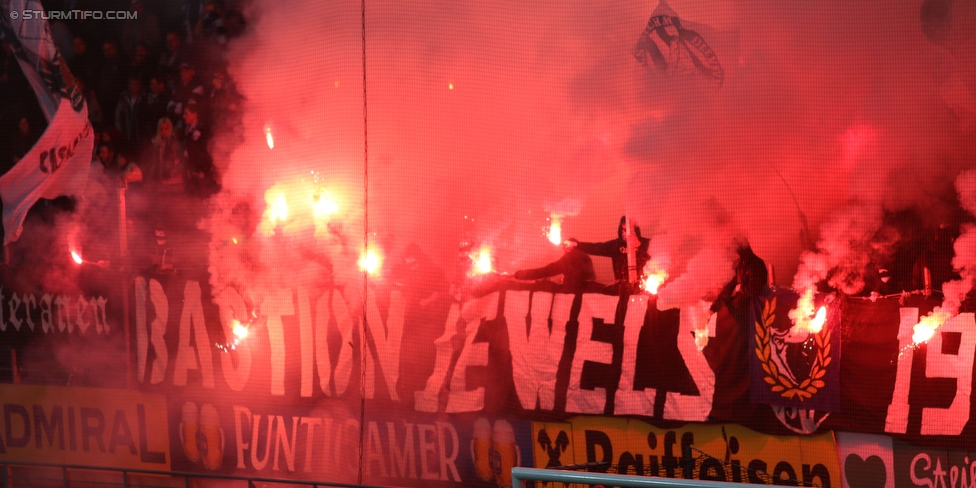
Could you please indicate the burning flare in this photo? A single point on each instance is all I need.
(323, 205)
(555, 233)
(76, 257)
(269, 137)
(296, 206)
(278, 211)
(240, 331)
(926, 326)
(370, 262)
(482, 262)
(803, 317)
(652, 283)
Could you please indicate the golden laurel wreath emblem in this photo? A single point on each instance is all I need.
(778, 382)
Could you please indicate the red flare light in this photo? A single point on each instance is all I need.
(279, 209)
(805, 321)
(268, 137)
(240, 331)
(76, 257)
(323, 205)
(816, 325)
(926, 326)
(370, 262)
(652, 283)
(555, 233)
(482, 261)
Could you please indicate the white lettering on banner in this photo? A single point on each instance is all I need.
(306, 334)
(587, 350)
(26, 308)
(427, 447)
(278, 304)
(46, 324)
(897, 418)
(691, 407)
(312, 423)
(402, 462)
(400, 450)
(62, 307)
(142, 337)
(343, 369)
(14, 305)
(80, 320)
(374, 450)
(958, 366)
(154, 336)
(231, 306)
(260, 463)
(924, 472)
(239, 413)
(473, 315)
(192, 325)
(628, 401)
(535, 348)
(30, 304)
(98, 308)
(427, 399)
(386, 338)
(285, 443)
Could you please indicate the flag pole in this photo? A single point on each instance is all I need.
(631, 252)
(124, 255)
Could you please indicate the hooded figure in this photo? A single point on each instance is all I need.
(616, 250)
(750, 281)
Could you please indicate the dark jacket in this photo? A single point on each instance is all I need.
(575, 266)
(616, 250)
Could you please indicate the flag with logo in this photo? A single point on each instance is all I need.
(58, 163)
(793, 362)
(678, 48)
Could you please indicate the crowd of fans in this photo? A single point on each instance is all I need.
(153, 86)
(156, 87)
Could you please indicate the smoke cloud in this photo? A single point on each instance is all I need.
(482, 120)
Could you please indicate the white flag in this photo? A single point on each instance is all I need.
(30, 39)
(56, 165)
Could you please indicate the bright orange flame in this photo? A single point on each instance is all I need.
(482, 263)
(370, 262)
(279, 209)
(76, 257)
(324, 206)
(926, 326)
(803, 317)
(654, 281)
(555, 233)
(240, 331)
(268, 137)
(816, 325)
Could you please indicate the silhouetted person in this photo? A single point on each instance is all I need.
(616, 250)
(575, 267)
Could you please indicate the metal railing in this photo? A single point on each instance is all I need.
(521, 475)
(127, 476)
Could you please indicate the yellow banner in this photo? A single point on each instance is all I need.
(695, 451)
(87, 426)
